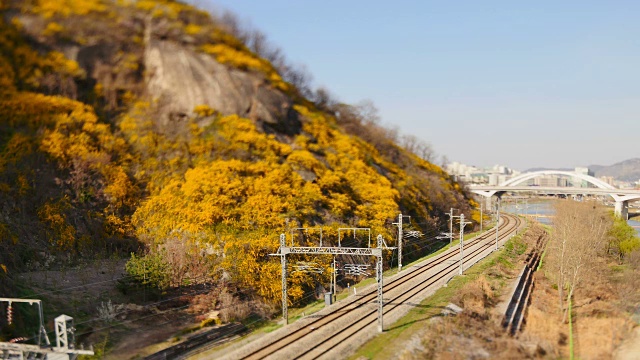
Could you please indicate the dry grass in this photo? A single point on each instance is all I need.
(600, 315)
(599, 322)
(476, 333)
(542, 330)
(471, 336)
(476, 296)
(597, 338)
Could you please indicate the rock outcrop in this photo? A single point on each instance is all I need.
(181, 79)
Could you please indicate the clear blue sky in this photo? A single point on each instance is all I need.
(524, 84)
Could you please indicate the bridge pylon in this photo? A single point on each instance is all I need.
(622, 209)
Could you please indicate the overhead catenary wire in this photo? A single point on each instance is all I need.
(420, 241)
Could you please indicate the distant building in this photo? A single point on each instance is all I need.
(584, 171)
(609, 180)
(493, 179)
(479, 178)
(550, 181)
(474, 175)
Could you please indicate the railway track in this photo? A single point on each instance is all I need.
(515, 313)
(200, 342)
(321, 336)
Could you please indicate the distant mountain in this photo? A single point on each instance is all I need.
(628, 170)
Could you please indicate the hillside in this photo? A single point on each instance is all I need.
(147, 126)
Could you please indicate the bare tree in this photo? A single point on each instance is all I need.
(417, 146)
(323, 98)
(368, 112)
(231, 24)
(578, 240)
(299, 76)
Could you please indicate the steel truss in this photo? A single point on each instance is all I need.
(325, 250)
(43, 350)
(284, 250)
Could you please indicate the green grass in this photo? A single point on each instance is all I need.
(474, 234)
(366, 282)
(618, 268)
(381, 347)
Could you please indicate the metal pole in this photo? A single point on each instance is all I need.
(283, 262)
(481, 218)
(379, 278)
(42, 331)
(451, 226)
(335, 296)
(497, 221)
(144, 281)
(399, 242)
(461, 242)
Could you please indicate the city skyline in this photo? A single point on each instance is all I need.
(546, 84)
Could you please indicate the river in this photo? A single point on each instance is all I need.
(544, 210)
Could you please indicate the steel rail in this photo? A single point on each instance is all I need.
(366, 320)
(295, 335)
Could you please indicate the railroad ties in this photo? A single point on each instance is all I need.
(200, 342)
(333, 332)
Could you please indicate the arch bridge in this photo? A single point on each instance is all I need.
(621, 197)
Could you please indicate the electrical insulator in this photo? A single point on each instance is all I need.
(9, 314)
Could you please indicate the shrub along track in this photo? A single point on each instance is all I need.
(302, 342)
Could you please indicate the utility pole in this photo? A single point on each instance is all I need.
(327, 250)
(399, 243)
(498, 220)
(42, 332)
(481, 218)
(462, 225)
(283, 262)
(400, 235)
(335, 297)
(144, 281)
(451, 225)
(380, 244)
(64, 346)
